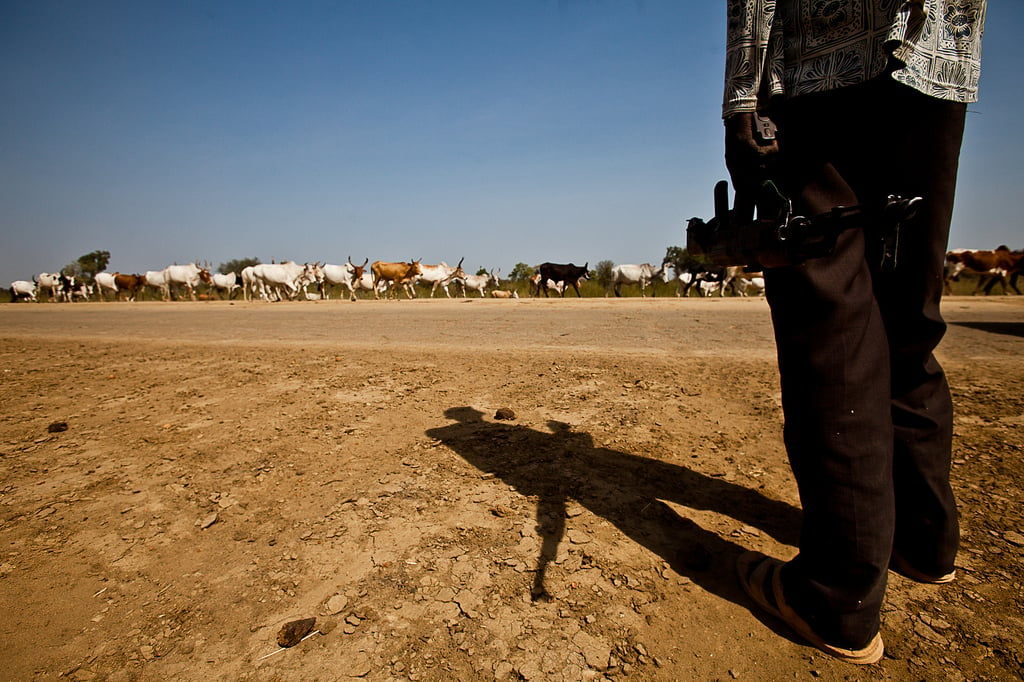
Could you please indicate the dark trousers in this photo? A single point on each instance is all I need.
(868, 414)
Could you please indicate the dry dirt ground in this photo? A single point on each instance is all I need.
(230, 467)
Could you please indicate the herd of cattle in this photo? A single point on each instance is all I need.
(999, 266)
(292, 281)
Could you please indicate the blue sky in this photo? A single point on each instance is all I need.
(503, 131)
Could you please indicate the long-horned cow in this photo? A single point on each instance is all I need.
(481, 282)
(394, 273)
(441, 275)
(568, 273)
(347, 275)
(188, 276)
(642, 275)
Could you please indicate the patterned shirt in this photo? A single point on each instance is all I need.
(794, 47)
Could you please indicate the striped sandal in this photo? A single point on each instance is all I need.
(759, 575)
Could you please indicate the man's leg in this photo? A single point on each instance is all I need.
(923, 162)
(834, 368)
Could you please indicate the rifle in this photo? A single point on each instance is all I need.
(776, 237)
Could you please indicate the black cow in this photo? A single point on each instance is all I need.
(66, 288)
(694, 274)
(557, 272)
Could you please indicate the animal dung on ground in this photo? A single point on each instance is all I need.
(293, 632)
(505, 413)
(57, 427)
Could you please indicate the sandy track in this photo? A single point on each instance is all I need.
(229, 467)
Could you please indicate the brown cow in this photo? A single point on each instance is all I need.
(128, 283)
(395, 274)
(990, 266)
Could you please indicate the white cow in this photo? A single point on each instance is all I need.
(347, 275)
(250, 286)
(105, 282)
(23, 289)
(734, 278)
(481, 282)
(366, 282)
(741, 281)
(290, 276)
(188, 276)
(706, 287)
(684, 281)
(440, 275)
(642, 274)
(226, 283)
(49, 282)
(755, 284)
(157, 279)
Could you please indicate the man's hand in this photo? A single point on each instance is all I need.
(750, 157)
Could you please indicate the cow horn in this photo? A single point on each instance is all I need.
(460, 262)
(365, 261)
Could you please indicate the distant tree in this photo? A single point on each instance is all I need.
(521, 272)
(88, 265)
(72, 270)
(602, 273)
(237, 265)
(482, 271)
(682, 259)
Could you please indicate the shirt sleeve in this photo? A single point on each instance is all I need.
(753, 55)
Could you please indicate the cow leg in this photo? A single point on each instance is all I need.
(993, 280)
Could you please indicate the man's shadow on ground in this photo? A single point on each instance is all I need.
(624, 489)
